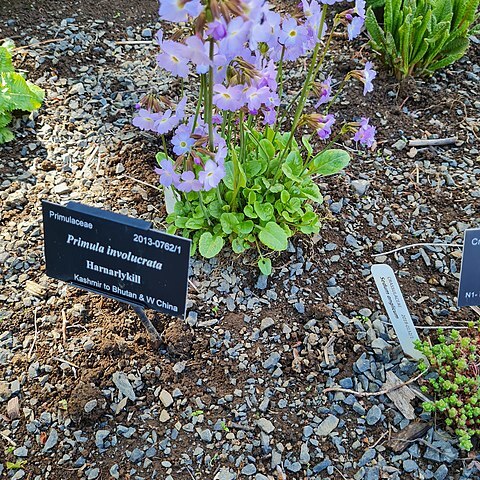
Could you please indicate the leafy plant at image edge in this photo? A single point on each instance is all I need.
(16, 93)
(421, 36)
(455, 383)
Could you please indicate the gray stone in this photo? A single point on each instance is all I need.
(265, 425)
(367, 457)
(166, 398)
(206, 435)
(373, 415)
(267, 322)
(441, 472)
(410, 465)
(124, 386)
(114, 471)
(92, 473)
(147, 33)
(100, 436)
(271, 361)
(51, 440)
(327, 426)
(225, 474)
(136, 455)
(360, 186)
(21, 452)
(90, 405)
(399, 144)
(249, 469)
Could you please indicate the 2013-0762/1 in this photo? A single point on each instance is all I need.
(169, 247)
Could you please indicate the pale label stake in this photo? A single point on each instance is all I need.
(396, 308)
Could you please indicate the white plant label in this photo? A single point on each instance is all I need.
(396, 308)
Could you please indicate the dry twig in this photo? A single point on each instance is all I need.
(373, 394)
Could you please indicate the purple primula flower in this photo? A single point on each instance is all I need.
(366, 133)
(256, 96)
(237, 32)
(180, 10)
(180, 111)
(168, 176)
(269, 116)
(268, 76)
(198, 53)
(228, 98)
(212, 175)
(220, 64)
(292, 35)
(145, 120)
(182, 141)
(217, 119)
(266, 31)
(217, 30)
(360, 8)
(330, 2)
(174, 58)
(189, 183)
(324, 128)
(221, 154)
(325, 92)
(165, 122)
(368, 75)
(354, 27)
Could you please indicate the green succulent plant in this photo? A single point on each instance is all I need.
(419, 37)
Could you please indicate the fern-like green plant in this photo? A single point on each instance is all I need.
(16, 93)
(421, 36)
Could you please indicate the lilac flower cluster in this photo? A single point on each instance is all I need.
(239, 47)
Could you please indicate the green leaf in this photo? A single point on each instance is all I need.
(194, 223)
(278, 187)
(285, 196)
(273, 236)
(289, 174)
(210, 246)
(263, 210)
(376, 33)
(265, 266)
(249, 211)
(215, 209)
(228, 178)
(18, 92)
(5, 60)
(330, 162)
(229, 222)
(267, 150)
(307, 144)
(254, 168)
(294, 161)
(312, 192)
(5, 135)
(5, 119)
(238, 245)
(245, 227)
(160, 156)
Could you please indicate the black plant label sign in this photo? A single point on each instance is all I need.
(116, 256)
(469, 291)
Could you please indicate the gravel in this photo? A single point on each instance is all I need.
(258, 374)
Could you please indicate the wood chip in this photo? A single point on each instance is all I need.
(404, 438)
(13, 408)
(35, 289)
(401, 396)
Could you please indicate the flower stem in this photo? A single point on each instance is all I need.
(204, 209)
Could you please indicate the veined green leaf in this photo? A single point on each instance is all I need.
(330, 162)
(6, 64)
(265, 265)
(210, 246)
(273, 236)
(18, 92)
(263, 210)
